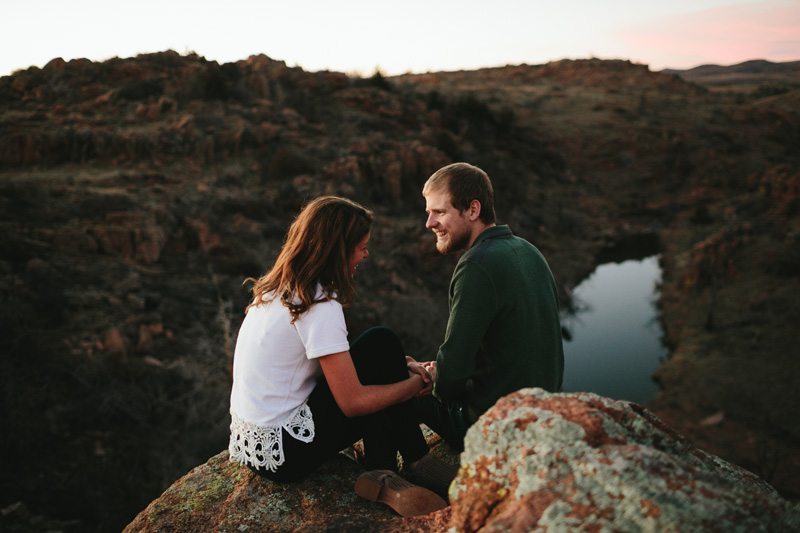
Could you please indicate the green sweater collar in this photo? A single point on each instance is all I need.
(492, 233)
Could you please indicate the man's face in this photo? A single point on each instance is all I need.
(452, 227)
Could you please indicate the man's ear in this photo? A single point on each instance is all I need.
(474, 210)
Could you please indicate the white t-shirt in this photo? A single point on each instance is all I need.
(275, 368)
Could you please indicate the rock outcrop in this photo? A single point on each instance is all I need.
(226, 497)
(559, 462)
(582, 462)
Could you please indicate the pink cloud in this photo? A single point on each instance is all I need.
(724, 35)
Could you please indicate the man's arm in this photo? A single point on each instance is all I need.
(473, 305)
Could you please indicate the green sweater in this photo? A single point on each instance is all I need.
(504, 332)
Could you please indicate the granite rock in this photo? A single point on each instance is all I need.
(582, 462)
(224, 496)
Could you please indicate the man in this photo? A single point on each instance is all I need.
(503, 333)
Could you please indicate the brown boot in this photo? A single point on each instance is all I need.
(405, 498)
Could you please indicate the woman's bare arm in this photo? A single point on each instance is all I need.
(355, 399)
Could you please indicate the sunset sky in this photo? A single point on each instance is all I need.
(360, 36)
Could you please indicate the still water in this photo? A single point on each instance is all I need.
(616, 337)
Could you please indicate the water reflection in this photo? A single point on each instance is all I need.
(615, 335)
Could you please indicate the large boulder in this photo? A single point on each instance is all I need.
(581, 462)
(225, 497)
(535, 461)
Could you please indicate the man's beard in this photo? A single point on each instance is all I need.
(454, 243)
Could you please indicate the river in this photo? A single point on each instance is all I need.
(615, 334)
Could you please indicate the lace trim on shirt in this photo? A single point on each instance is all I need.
(262, 446)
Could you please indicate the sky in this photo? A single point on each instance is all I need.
(362, 36)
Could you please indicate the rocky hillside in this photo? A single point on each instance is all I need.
(137, 194)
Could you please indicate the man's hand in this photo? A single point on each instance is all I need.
(430, 366)
(421, 369)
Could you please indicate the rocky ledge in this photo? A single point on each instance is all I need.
(561, 462)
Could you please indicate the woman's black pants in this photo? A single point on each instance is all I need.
(379, 359)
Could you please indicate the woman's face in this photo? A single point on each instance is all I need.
(359, 254)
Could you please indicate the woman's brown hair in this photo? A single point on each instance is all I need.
(316, 251)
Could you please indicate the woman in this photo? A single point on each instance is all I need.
(301, 392)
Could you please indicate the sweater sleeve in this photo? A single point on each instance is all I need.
(473, 305)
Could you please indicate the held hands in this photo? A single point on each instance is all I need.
(430, 366)
(426, 371)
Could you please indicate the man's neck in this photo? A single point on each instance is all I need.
(479, 228)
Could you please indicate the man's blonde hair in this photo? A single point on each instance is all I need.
(463, 183)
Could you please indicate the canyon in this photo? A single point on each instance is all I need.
(136, 196)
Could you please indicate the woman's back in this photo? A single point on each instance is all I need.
(275, 365)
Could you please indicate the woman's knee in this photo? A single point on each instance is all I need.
(382, 336)
(378, 355)
(378, 340)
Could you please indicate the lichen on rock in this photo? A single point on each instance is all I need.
(575, 462)
(224, 496)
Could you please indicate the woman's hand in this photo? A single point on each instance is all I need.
(425, 387)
